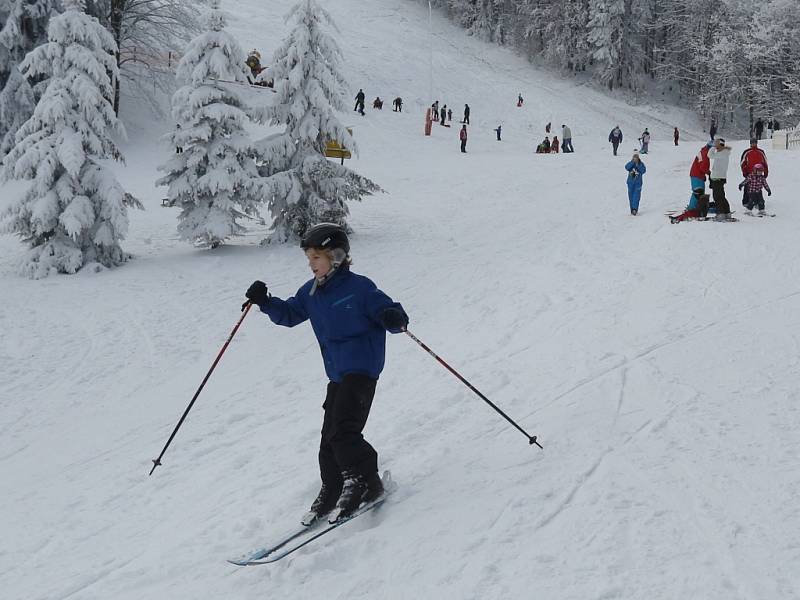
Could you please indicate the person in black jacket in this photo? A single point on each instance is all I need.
(360, 102)
(466, 114)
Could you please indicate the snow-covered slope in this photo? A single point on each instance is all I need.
(657, 363)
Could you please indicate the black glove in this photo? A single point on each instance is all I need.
(394, 319)
(741, 185)
(769, 192)
(257, 294)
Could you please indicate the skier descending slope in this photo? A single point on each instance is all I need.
(350, 317)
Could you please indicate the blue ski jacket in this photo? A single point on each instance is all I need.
(635, 180)
(345, 314)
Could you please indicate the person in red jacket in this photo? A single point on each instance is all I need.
(462, 135)
(750, 158)
(701, 166)
(754, 156)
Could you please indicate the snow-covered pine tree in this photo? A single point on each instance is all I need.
(23, 28)
(75, 211)
(610, 31)
(305, 187)
(215, 179)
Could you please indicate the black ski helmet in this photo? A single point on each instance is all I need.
(326, 236)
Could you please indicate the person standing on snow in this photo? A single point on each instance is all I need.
(554, 145)
(636, 170)
(752, 185)
(645, 139)
(712, 130)
(466, 114)
(360, 102)
(759, 128)
(720, 156)
(519, 100)
(462, 135)
(753, 156)
(350, 317)
(443, 115)
(435, 108)
(498, 131)
(615, 137)
(701, 166)
(676, 136)
(566, 139)
(398, 104)
(449, 115)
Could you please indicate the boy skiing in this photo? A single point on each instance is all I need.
(350, 317)
(753, 196)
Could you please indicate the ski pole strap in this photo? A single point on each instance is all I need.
(531, 438)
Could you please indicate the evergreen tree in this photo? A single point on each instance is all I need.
(305, 187)
(215, 179)
(75, 211)
(24, 27)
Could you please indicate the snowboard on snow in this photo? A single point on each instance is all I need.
(304, 535)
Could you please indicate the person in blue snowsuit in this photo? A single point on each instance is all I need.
(636, 170)
(350, 317)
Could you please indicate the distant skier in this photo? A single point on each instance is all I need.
(615, 137)
(554, 145)
(398, 104)
(566, 139)
(443, 115)
(377, 103)
(712, 130)
(547, 128)
(449, 115)
(360, 102)
(720, 156)
(462, 135)
(466, 114)
(645, 140)
(519, 100)
(435, 107)
(752, 185)
(636, 170)
(676, 136)
(498, 131)
(759, 128)
(350, 317)
(753, 156)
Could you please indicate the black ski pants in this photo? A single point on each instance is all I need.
(615, 145)
(718, 191)
(753, 199)
(342, 446)
(463, 145)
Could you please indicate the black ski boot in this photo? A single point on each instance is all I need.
(323, 504)
(357, 489)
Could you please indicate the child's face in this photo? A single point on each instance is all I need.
(319, 262)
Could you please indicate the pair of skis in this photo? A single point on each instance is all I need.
(304, 535)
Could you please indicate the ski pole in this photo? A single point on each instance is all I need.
(245, 310)
(531, 438)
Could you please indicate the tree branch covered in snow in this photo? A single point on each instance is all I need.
(305, 187)
(213, 178)
(75, 212)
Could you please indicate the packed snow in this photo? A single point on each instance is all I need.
(657, 363)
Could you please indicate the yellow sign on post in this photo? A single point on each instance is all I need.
(334, 149)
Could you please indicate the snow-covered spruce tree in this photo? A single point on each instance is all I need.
(75, 211)
(23, 27)
(305, 187)
(215, 179)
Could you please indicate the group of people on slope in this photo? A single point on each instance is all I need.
(615, 138)
(712, 162)
(397, 103)
(554, 146)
